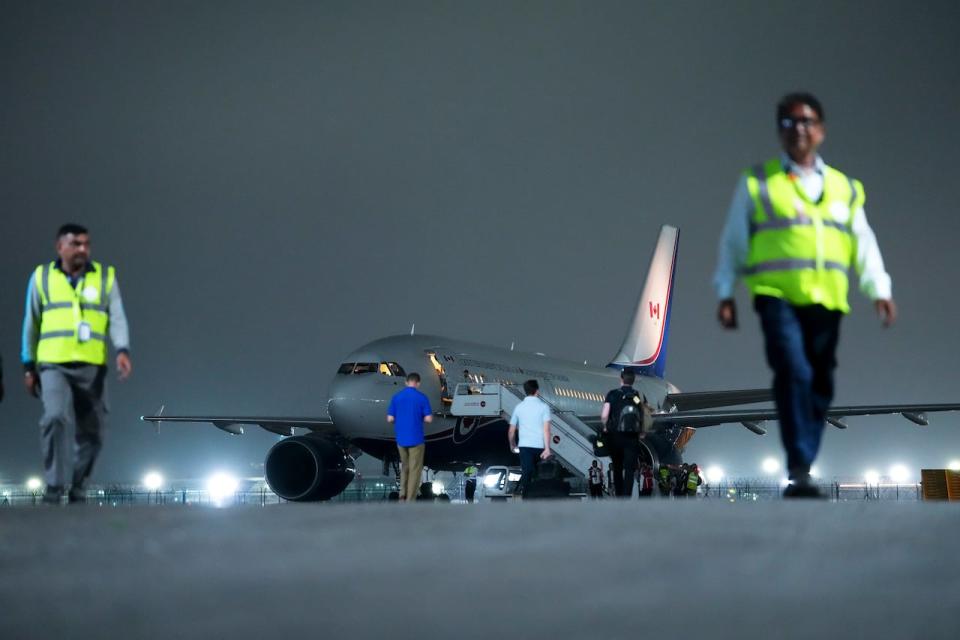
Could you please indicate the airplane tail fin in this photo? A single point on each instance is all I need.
(644, 349)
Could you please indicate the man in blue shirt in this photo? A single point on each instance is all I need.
(409, 409)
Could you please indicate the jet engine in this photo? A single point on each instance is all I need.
(307, 468)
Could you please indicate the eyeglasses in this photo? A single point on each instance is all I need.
(793, 123)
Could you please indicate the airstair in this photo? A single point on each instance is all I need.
(570, 437)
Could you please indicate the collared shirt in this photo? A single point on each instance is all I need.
(735, 241)
(74, 279)
(528, 418)
(119, 330)
(409, 407)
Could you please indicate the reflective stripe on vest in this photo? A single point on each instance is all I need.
(63, 308)
(692, 480)
(801, 250)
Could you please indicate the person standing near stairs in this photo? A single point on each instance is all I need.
(531, 419)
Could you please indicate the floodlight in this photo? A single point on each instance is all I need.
(152, 481)
(714, 474)
(871, 477)
(221, 486)
(771, 465)
(954, 465)
(899, 473)
(34, 484)
(814, 472)
(437, 487)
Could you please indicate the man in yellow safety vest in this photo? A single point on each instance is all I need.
(73, 304)
(795, 227)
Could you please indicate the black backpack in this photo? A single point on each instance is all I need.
(630, 418)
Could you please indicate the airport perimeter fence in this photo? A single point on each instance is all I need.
(379, 490)
(118, 496)
(752, 490)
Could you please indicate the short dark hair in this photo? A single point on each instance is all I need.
(530, 387)
(413, 376)
(628, 377)
(71, 228)
(799, 97)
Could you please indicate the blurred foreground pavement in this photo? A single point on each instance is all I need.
(701, 570)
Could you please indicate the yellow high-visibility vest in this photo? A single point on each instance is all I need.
(801, 250)
(693, 480)
(65, 308)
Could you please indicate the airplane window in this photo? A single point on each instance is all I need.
(392, 369)
(366, 367)
(346, 368)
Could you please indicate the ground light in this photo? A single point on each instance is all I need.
(34, 484)
(871, 477)
(152, 481)
(954, 465)
(714, 474)
(899, 473)
(770, 465)
(221, 486)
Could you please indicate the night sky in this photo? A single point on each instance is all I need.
(278, 183)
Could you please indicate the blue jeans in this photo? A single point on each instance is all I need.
(529, 456)
(801, 345)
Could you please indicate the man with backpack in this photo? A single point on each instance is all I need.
(622, 417)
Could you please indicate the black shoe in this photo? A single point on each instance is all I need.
(52, 494)
(77, 496)
(802, 488)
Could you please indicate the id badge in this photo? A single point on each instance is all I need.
(83, 332)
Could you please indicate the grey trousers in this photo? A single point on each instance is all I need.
(71, 429)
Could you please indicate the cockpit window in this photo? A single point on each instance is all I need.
(392, 369)
(346, 368)
(366, 367)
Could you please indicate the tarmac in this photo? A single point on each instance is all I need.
(665, 569)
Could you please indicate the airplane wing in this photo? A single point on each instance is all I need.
(708, 399)
(750, 418)
(234, 424)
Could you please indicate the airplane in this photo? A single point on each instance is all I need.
(319, 464)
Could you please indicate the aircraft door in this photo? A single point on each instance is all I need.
(440, 362)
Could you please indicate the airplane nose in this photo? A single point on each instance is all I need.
(358, 404)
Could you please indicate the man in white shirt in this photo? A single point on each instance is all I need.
(532, 419)
(795, 227)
